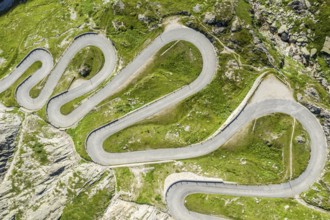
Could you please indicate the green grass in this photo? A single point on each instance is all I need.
(321, 28)
(251, 207)
(243, 11)
(91, 57)
(125, 180)
(250, 157)
(39, 152)
(260, 155)
(85, 207)
(31, 140)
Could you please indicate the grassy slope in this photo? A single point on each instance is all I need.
(251, 208)
(179, 66)
(87, 207)
(190, 121)
(250, 157)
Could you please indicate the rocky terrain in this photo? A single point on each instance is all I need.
(9, 128)
(120, 209)
(39, 187)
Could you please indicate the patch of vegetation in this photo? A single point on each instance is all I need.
(31, 140)
(260, 153)
(243, 11)
(251, 207)
(325, 68)
(86, 205)
(149, 197)
(321, 8)
(39, 152)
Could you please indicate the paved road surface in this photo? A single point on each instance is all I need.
(94, 145)
(176, 193)
(205, 77)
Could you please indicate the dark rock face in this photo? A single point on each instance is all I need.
(322, 114)
(9, 127)
(84, 71)
(314, 109)
(6, 5)
(298, 6)
(285, 37)
(57, 172)
(209, 18)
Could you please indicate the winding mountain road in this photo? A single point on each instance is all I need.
(177, 192)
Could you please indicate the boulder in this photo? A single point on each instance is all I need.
(326, 46)
(143, 18)
(236, 25)
(285, 37)
(218, 30)
(282, 29)
(197, 8)
(119, 5)
(307, 4)
(311, 92)
(209, 18)
(9, 127)
(305, 52)
(297, 5)
(314, 109)
(313, 52)
(300, 139)
(84, 71)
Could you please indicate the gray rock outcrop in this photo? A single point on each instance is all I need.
(326, 46)
(323, 114)
(209, 18)
(9, 127)
(40, 189)
(120, 209)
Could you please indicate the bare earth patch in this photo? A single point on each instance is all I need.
(271, 88)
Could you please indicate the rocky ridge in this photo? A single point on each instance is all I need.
(40, 189)
(120, 209)
(9, 128)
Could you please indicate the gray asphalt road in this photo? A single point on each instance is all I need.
(209, 69)
(88, 39)
(176, 193)
(94, 144)
(54, 74)
(41, 55)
